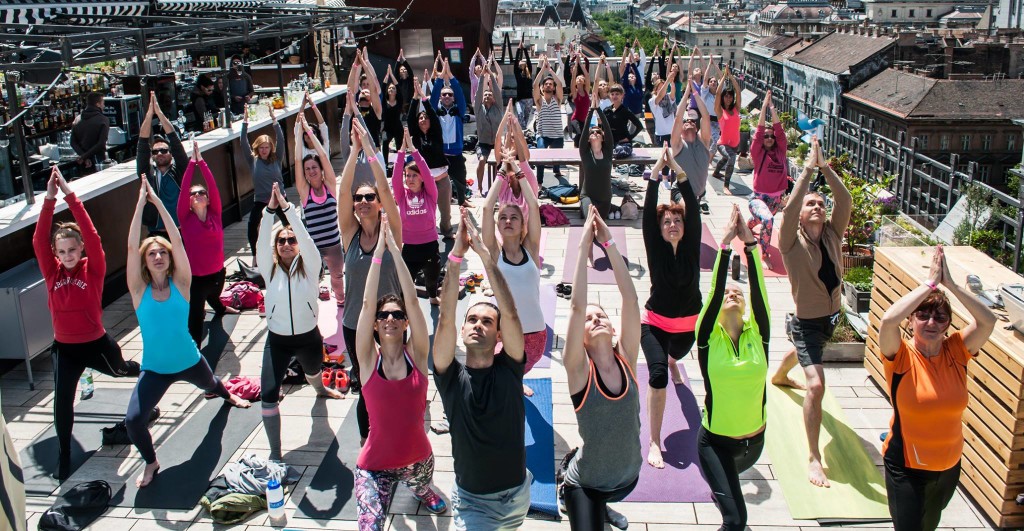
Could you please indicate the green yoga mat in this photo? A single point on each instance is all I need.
(858, 490)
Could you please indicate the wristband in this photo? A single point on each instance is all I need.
(931, 284)
(608, 244)
(455, 259)
(377, 260)
(723, 246)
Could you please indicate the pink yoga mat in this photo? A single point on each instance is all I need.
(329, 322)
(602, 272)
(708, 248)
(774, 266)
(681, 479)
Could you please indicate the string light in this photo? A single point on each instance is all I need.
(384, 30)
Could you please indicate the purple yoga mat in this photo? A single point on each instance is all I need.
(680, 481)
(602, 272)
(708, 248)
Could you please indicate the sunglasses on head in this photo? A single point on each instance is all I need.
(369, 198)
(290, 240)
(938, 317)
(194, 193)
(161, 151)
(397, 315)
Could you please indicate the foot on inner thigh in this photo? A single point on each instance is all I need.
(147, 475)
(654, 456)
(673, 371)
(527, 391)
(816, 474)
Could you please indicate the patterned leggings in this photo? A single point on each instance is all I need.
(375, 488)
(762, 209)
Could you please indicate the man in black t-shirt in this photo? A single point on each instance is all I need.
(483, 397)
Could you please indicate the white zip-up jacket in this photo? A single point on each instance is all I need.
(291, 299)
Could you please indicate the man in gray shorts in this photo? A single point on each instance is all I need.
(810, 243)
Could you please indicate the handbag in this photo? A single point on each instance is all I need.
(629, 208)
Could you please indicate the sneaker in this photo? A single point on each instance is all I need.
(327, 376)
(341, 381)
(433, 502)
(262, 309)
(615, 518)
(325, 293)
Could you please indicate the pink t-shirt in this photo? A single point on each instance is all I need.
(204, 240)
(418, 209)
(729, 124)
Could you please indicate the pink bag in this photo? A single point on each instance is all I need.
(552, 216)
(244, 387)
(242, 295)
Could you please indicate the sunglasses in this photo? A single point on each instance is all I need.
(447, 95)
(397, 315)
(369, 198)
(291, 240)
(938, 317)
(689, 121)
(197, 193)
(161, 151)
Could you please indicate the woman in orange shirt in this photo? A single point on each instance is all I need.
(927, 379)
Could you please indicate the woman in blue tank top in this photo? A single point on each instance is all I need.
(159, 283)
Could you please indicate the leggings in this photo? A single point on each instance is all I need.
(722, 459)
(763, 208)
(148, 392)
(308, 349)
(375, 489)
(362, 416)
(205, 289)
(423, 257)
(587, 507)
(658, 345)
(69, 362)
(727, 162)
(385, 143)
(444, 202)
(334, 257)
(917, 497)
(457, 173)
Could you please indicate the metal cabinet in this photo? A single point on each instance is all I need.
(25, 324)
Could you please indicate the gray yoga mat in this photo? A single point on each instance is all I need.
(331, 493)
(39, 459)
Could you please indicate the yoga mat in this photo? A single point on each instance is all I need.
(540, 446)
(680, 480)
(329, 322)
(191, 457)
(331, 493)
(39, 459)
(858, 491)
(708, 248)
(602, 272)
(774, 266)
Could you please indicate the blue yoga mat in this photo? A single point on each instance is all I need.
(540, 446)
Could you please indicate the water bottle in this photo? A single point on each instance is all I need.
(275, 499)
(85, 384)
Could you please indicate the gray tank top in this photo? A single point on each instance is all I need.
(357, 265)
(610, 457)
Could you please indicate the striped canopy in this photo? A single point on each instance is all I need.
(40, 11)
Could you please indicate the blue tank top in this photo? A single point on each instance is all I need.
(167, 347)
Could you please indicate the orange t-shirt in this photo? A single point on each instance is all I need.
(929, 396)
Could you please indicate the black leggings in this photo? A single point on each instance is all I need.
(385, 143)
(361, 414)
(148, 392)
(205, 289)
(423, 257)
(587, 507)
(307, 348)
(917, 497)
(658, 345)
(69, 362)
(721, 460)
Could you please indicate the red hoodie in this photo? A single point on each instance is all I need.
(75, 296)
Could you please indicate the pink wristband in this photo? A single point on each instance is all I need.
(608, 244)
(724, 246)
(377, 260)
(931, 284)
(455, 259)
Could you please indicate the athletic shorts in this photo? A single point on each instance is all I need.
(483, 150)
(809, 336)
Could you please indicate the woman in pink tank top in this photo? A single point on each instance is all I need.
(392, 343)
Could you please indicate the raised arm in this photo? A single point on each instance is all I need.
(842, 201)
(574, 355)
(307, 247)
(184, 195)
(705, 122)
(365, 348)
(446, 332)
(346, 213)
(381, 180)
(629, 331)
(677, 125)
(510, 326)
(301, 185)
(44, 225)
(533, 226)
(790, 223)
(133, 268)
(487, 227)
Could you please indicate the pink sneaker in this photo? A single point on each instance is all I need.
(433, 502)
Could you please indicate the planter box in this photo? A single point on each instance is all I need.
(844, 352)
(858, 301)
(857, 256)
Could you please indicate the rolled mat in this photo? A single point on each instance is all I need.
(680, 480)
(540, 446)
(39, 458)
(708, 248)
(191, 457)
(858, 490)
(602, 272)
(331, 492)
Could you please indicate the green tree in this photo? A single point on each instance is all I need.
(620, 33)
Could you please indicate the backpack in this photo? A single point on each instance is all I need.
(77, 508)
(234, 507)
(242, 295)
(629, 208)
(622, 151)
(564, 193)
(551, 216)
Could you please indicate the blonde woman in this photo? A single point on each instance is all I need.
(265, 167)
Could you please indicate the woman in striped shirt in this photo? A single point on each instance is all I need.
(320, 209)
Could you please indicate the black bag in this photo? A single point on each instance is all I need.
(78, 508)
(116, 434)
(246, 273)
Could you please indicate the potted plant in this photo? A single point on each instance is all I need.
(857, 248)
(857, 288)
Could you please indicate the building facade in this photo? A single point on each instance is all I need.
(822, 71)
(714, 35)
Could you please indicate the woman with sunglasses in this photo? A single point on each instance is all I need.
(394, 367)
(316, 191)
(266, 172)
(596, 158)
(927, 379)
(159, 283)
(733, 356)
(290, 265)
(199, 212)
(417, 203)
(359, 216)
(602, 384)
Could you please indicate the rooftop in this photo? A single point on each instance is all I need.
(907, 95)
(838, 51)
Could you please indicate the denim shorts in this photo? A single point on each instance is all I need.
(499, 511)
(809, 337)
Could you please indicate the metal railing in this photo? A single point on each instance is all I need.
(927, 189)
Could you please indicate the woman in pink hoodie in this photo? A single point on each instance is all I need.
(771, 175)
(417, 204)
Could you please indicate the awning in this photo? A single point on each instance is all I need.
(40, 11)
(204, 5)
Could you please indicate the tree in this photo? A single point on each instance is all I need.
(620, 33)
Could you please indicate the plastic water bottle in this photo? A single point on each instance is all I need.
(85, 384)
(275, 499)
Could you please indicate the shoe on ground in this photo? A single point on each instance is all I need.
(433, 502)
(615, 518)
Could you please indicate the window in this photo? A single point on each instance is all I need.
(922, 142)
(911, 13)
(984, 172)
(965, 142)
(893, 13)
(732, 55)
(718, 42)
(944, 142)
(986, 142)
(707, 42)
(928, 13)
(732, 41)
(1011, 142)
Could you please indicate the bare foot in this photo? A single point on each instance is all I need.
(673, 371)
(527, 391)
(434, 301)
(784, 380)
(330, 393)
(654, 456)
(147, 475)
(231, 311)
(238, 401)
(816, 474)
